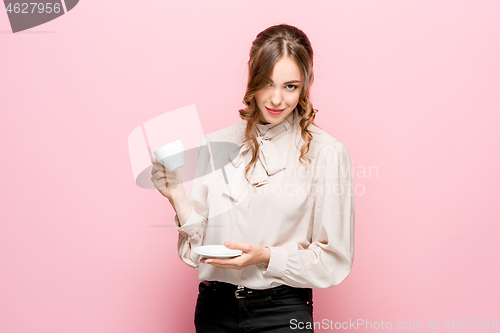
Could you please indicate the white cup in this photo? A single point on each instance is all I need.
(171, 155)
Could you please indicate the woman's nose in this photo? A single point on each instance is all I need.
(276, 98)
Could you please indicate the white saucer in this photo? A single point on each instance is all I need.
(216, 251)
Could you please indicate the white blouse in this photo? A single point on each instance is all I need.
(304, 215)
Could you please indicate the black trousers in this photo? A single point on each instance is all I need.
(218, 310)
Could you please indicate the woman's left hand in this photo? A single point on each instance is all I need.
(252, 254)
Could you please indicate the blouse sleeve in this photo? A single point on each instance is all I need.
(192, 232)
(327, 261)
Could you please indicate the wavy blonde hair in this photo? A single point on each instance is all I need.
(267, 49)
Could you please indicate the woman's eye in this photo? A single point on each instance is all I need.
(288, 86)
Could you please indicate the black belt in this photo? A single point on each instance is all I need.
(242, 291)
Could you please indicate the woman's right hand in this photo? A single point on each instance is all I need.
(168, 183)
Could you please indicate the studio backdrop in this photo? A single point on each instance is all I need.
(409, 87)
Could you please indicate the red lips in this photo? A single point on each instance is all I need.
(275, 110)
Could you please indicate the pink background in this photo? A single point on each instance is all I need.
(409, 87)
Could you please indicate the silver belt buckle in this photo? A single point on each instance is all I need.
(237, 291)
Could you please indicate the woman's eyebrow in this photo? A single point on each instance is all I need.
(293, 81)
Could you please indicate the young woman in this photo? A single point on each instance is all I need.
(285, 199)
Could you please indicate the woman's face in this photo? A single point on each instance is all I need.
(281, 93)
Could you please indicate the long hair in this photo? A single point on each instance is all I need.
(267, 49)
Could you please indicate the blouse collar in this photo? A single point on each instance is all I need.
(285, 124)
(269, 161)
